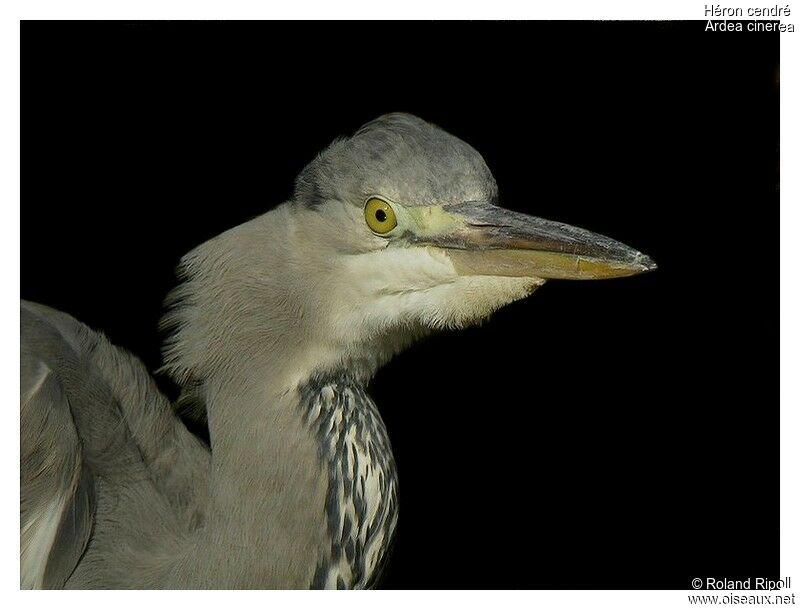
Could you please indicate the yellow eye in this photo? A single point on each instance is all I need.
(379, 216)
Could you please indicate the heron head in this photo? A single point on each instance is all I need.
(391, 233)
(410, 213)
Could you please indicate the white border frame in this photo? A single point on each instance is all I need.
(410, 9)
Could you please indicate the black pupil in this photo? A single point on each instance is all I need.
(380, 215)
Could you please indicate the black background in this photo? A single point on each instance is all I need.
(618, 434)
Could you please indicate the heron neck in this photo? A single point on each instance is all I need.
(301, 469)
(247, 338)
(256, 430)
(266, 489)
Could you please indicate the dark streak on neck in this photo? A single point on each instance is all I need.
(336, 407)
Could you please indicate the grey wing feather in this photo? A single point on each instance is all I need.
(56, 502)
(90, 412)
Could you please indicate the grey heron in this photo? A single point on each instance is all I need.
(276, 327)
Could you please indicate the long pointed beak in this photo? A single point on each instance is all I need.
(483, 239)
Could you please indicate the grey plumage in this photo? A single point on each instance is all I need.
(276, 328)
(402, 158)
(97, 435)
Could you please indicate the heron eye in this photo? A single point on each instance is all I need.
(380, 216)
